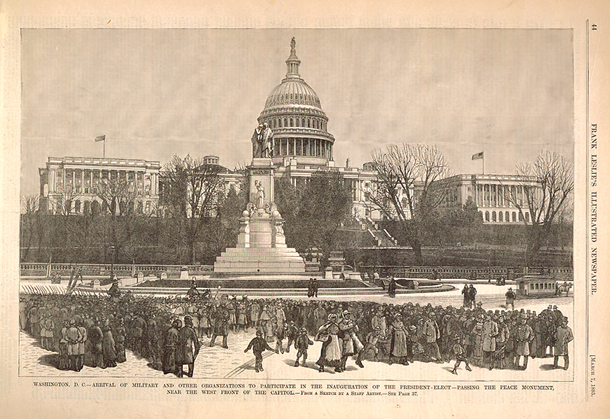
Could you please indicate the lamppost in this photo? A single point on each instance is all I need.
(112, 249)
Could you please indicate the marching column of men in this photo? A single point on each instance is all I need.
(93, 331)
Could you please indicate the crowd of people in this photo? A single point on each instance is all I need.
(169, 332)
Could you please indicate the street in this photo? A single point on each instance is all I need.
(218, 362)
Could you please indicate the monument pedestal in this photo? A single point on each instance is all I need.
(261, 244)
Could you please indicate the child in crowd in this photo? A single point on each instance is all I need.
(258, 346)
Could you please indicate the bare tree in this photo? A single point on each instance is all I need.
(192, 191)
(407, 187)
(29, 215)
(545, 188)
(123, 214)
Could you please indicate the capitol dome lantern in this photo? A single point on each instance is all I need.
(294, 113)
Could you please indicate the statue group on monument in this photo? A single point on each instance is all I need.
(262, 141)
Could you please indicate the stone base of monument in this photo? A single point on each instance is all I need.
(259, 261)
(261, 245)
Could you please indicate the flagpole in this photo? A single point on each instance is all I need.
(104, 149)
(482, 160)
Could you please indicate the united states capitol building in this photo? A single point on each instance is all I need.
(302, 146)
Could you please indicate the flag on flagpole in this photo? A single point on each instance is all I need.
(100, 138)
(477, 156)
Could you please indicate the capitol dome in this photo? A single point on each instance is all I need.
(294, 113)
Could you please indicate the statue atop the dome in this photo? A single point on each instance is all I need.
(262, 141)
(293, 46)
(257, 138)
(267, 141)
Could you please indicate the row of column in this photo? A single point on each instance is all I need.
(303, 147)
(92, 178)
(493, 195)
(298, 122)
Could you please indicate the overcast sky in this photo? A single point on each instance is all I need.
(159, 92)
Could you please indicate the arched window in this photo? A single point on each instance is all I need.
(308, 122)
(520, 217)
(486, 215)
(507, 217)
(87, 208)
(77, 207)
(493, 216)
(95, 208)
(303, 122)
(500, 216)
(527, 217)
(514, 217)
(291, 122)
(285, 122)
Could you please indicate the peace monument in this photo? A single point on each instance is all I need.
(261, 244)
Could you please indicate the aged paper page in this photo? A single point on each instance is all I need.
(116, 287)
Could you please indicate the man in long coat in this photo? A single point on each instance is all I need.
(563, 336)
(170, 345)
(73, 337)
(80, 360)
(432, 334)
(490, 331)
(220, 317)
(254, 312)
(524, 335)
(351, 343)
(188, 349)
(95, 337)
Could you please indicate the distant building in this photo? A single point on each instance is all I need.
(74, 185)
(494, 195)
(302, 146)
(230, 179)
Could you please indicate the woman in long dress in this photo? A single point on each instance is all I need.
(330, 355)
(121, 334)
(398, 345)
(108, 348)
